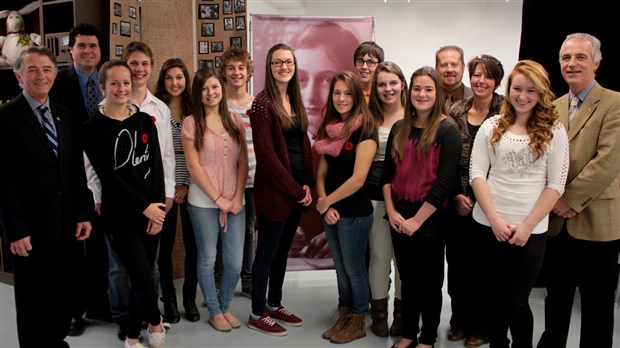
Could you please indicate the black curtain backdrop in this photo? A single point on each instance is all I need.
(546, 24)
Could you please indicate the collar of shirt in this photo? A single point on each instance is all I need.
(83, 80)
(582, 96)
(34, 105)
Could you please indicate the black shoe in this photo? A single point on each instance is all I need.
(122, 323)
(246, 292)
(191, 311)
(171, 311)
(77, 327)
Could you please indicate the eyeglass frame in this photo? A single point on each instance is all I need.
(278, 63)
(359, 62)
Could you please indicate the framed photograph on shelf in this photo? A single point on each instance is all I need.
(227, 7)
(239, 6)
(125, 29)
(118, 50)
(235, 41)
(207, 29)
(118, 9)
(132, 12)
(240, 22)
(114, 28)
(218, 61)
(203, 47)
(208, 63)
(229, 23)
(217, 46)
(211, 11)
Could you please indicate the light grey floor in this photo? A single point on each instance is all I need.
(310, 294)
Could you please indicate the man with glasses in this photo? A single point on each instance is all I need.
(366, 57)
(450, 65)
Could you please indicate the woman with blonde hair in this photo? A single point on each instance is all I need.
(519, 165)
(388, 96)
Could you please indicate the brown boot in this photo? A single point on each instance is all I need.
(397, 324)
(343, 316)
(355, 328)
(379, 314)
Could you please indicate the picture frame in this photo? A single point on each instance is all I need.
(227, 7)
(205, 63)
(217, 46)
(114, 28)
(125, 29)
(209, 11)
(239, 6)
(229, 23)
(235, 41)
(207, 29)
(118, 9)
(203, 47)
(136, 28)
(132, 12)
(218, 61)
(240, 23)
(118, 50)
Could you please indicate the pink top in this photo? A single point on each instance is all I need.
(219, 158)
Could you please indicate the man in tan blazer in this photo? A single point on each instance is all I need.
(584, 227)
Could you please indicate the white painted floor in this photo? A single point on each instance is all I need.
(310, 294)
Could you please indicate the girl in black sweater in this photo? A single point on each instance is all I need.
(122, 147)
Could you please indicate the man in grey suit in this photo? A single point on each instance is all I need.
(584, 227)
(43, 199)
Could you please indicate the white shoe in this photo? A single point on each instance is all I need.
(137, 345)
(156, 339)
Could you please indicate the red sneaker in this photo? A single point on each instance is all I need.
(285, 317)
(266, 325)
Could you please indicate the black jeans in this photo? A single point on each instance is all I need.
(269, 267)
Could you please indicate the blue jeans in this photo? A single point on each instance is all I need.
(347, 240)
(207, 230)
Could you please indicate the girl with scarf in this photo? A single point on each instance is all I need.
(347, 142)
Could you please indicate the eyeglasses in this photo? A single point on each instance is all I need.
(278, 63)
(370, 63)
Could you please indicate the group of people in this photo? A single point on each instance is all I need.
(409, 172)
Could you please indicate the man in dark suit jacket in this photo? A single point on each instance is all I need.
(584, 228)
(71, 89)
(43, 196)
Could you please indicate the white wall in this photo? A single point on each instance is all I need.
(411, 32)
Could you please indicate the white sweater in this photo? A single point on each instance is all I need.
(515, 180)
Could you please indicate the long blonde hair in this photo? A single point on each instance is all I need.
(540, 124)
(434, 118)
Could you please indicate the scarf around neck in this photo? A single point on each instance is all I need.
(336, 137)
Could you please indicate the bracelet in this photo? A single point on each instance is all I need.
(218, 197)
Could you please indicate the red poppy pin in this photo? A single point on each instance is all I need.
(247, 112)
(145, 138)
(154, 118)
(348, 146)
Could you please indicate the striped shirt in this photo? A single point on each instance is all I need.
(181, 174)
(244, 112)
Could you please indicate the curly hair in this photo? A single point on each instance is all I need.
(544, 115)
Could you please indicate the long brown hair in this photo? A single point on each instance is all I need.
(544, 115)
(163, 95)
(200, 78)
(359, 106)
(375, 103)
(293, 90)
(434, 118)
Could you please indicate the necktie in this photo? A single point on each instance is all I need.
(572, 110)
(91, 98)
(48, 128)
